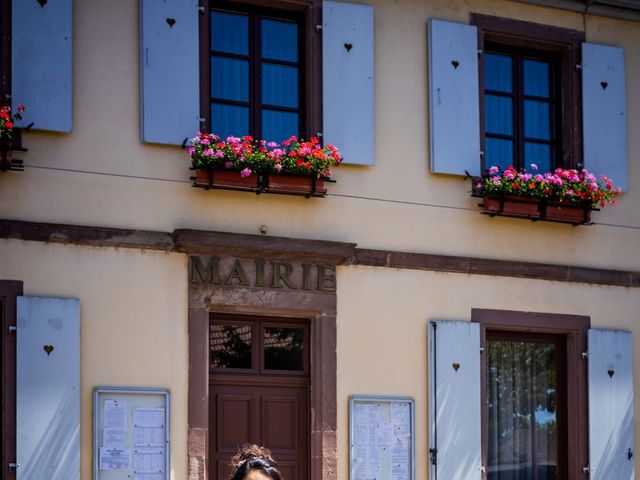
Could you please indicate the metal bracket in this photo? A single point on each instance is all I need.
(578, 67)
(585, 355)
(586, 470)
(13, 466)
(318, 28)
(13, 329)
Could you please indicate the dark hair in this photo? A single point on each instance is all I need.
(252, 457)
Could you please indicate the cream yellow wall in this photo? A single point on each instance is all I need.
(133, 322)
(147, 186)
(383, 317)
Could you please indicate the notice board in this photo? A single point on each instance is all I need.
(381, 438)
(131, 434)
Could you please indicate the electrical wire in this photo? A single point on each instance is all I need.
(342, 195)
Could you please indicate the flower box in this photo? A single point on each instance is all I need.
(536, 209)
(295, 185)
(293, 167)
(564, 195)
(224, 179)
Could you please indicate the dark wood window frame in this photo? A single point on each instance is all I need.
(309, 15)
(258, 325)
(9, 291)
(560, 43)
(574, 330)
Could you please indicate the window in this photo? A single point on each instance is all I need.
(529, 94)
(248, 346)
(534, 394)
(262, 68)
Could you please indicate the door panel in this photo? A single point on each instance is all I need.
(274, 416)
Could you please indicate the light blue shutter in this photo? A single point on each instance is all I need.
(610, 405)
(347, 80)
(604, 112)
(48, 388)
(170, 81)
(454, 399)
(454, 98)
(41, 63)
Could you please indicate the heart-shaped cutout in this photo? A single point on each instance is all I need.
(171, 22)
(42, 2)
(48, 349)
(611, 373)
(604, 85)
(455, 63)
(456, 366)
(348, 47)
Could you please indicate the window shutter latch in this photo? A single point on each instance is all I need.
(318, 28)
(13, 466)
(480, 52)
(12, 329)
(587, 470)
(578, 67)
(433, 456)
(585, 355)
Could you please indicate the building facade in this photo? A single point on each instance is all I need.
(262, 314)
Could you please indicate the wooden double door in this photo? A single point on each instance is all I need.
(259, 392)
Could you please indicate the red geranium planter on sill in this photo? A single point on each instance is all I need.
(536, 209)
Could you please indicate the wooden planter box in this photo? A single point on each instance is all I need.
(267, 183)
(535, 209)
(225, 180)
(290, 185)
(515, 206)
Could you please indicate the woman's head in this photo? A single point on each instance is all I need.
(254, 463)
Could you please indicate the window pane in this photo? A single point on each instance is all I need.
(279, 85)
(230, 33)
(521, 410)
(536, 120)
(279, 40)
(499, 152)
(230, 79)
(538, 153)
(278, 126)
(283, 348)
(230, 346)
(229, 120)
(498, 114)
(536, 78)
(498, 72)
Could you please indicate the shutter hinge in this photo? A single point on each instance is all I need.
(481, 154)
(587, 470)
(318, 28)
(13, 466)
(578, 67)
(480, 52)
(13, 329)
(319, 134)
(201, 8)
(585, 355)
(483, 472)
(433, 456)
(481, 350)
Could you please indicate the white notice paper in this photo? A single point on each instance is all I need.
(115, 414)
(113, 437)
(148, 436)
(148, 460)
(115, 458)
(148, 417)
